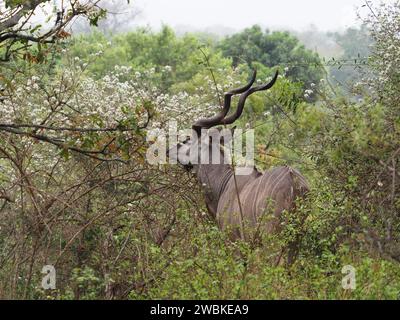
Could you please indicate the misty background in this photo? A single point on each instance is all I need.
(317, 24)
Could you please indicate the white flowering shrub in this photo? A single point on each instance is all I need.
(77, 113)
(384, 25)
(73, 167)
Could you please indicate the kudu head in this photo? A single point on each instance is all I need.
(203, 139)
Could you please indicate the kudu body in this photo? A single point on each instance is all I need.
(239, 201)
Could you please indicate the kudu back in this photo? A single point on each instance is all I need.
(239, 202)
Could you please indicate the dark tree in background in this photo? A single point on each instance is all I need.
(272, 50)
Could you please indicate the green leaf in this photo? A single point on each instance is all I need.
(65, 153)
(36, 28)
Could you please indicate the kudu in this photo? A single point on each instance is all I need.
(238, 201)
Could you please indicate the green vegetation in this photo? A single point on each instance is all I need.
(77, 192)
(271, 50)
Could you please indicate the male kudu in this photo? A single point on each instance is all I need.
(239, 201)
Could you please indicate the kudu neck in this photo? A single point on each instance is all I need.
(214, 179)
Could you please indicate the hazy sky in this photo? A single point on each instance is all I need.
(238, 14)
